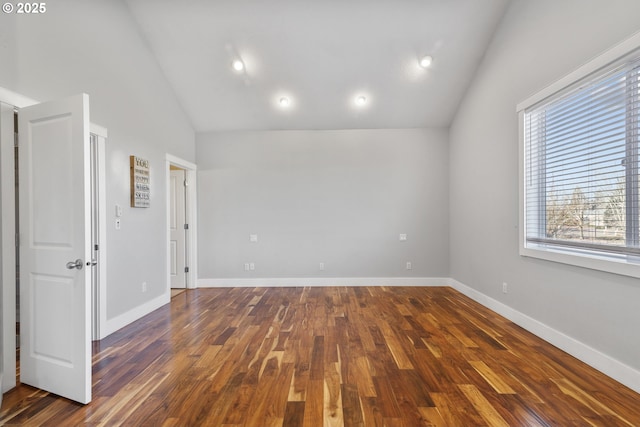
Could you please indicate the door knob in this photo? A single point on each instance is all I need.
(75, 264)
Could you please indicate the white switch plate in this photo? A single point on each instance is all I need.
(408, 265)
(246, 266)
(252, 266)
(321, 266)
(118, 211)
(403, 237)
(117, 223)
(253, 238)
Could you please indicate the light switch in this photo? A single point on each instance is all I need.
(118, 211)
(253, 238)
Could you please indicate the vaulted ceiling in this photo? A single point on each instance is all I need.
(324, 56)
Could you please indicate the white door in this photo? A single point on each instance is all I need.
(55, 303)
(177, 232)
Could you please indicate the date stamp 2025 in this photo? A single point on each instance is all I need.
(24, 8)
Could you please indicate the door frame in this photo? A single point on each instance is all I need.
(191, 244)
(7, 144)
(8, 244)
(99, 295)
(7, 170)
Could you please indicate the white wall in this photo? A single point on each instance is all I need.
(94, 47)
(537, 43)
(8, 51)
(338, 197)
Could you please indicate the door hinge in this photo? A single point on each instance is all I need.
(186, 269)
(186, 226)
(17, 240)
(15, 139)
(186, 184)
(96, 247)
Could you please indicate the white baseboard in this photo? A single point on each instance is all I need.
(322, 281)
(131, 316)
(617, 370)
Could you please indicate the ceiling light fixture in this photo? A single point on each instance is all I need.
(238, 65)
(361, 100)
(284, 102)
(426, 61)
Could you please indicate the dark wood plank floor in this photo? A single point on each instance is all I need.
(363, 356)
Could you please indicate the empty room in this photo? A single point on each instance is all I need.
(320, 213)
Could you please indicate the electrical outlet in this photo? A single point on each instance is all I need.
(252, 266)
(117, 223)
(144, 286)
(253, 238)
(408, 265)
(505, 287)
(403, 237)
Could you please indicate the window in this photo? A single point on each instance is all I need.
(580, 170)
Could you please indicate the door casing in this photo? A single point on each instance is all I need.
(190, 218)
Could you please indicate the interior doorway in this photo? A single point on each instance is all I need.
(9, 293)
(178, 228)
(181, 223)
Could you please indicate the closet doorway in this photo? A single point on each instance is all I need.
(181, 223)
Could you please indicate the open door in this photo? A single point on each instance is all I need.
(55, 249)
(177, 231)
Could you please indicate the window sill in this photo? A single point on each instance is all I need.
(625, 265)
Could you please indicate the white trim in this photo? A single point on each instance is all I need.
(522, 222)
(20, 101)
(122, 320)
(592, 261)
(177, 161)
(322, 281)
(606, 364)
(191, 195)
(617, 264)
(607, 57)
(16, 99)
(98, 130)
(101, 317)
(8, 249)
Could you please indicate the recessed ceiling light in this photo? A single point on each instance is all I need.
(361, 100)
(426, 61)
(238, 65)
(284, 102)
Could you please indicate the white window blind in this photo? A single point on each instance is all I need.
(581, 162)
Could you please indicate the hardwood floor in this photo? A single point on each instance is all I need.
(357, 356)
(175, 292)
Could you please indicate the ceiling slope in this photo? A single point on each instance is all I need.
(321, 55)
